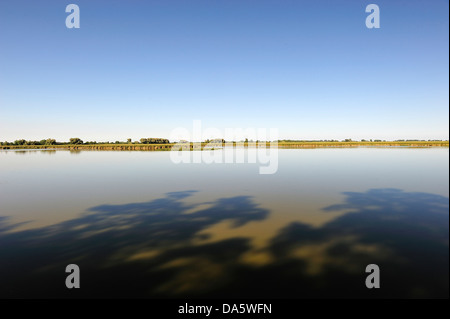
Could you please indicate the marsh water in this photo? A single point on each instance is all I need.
(139, 225)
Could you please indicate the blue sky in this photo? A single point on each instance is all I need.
(143, 68)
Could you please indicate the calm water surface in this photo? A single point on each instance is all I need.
(139, 225)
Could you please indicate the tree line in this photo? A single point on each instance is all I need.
(78, 141)
(154, 141)
(49, 141)
(350, 140)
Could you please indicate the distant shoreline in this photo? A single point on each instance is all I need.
(281, 145)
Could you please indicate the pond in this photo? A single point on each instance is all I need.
(139, 225)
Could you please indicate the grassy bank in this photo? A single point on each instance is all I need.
(364, 144)
(281, 145)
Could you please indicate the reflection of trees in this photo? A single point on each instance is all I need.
(48, 152)
(155, 249)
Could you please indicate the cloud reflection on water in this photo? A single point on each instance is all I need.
(160, 249)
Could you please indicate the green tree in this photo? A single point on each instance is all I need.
(50, 141)
(19, 142)
(153, 140)
(75, 140)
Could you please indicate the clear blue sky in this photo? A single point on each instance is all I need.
(142, 68)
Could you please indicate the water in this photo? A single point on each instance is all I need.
(139, 225)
